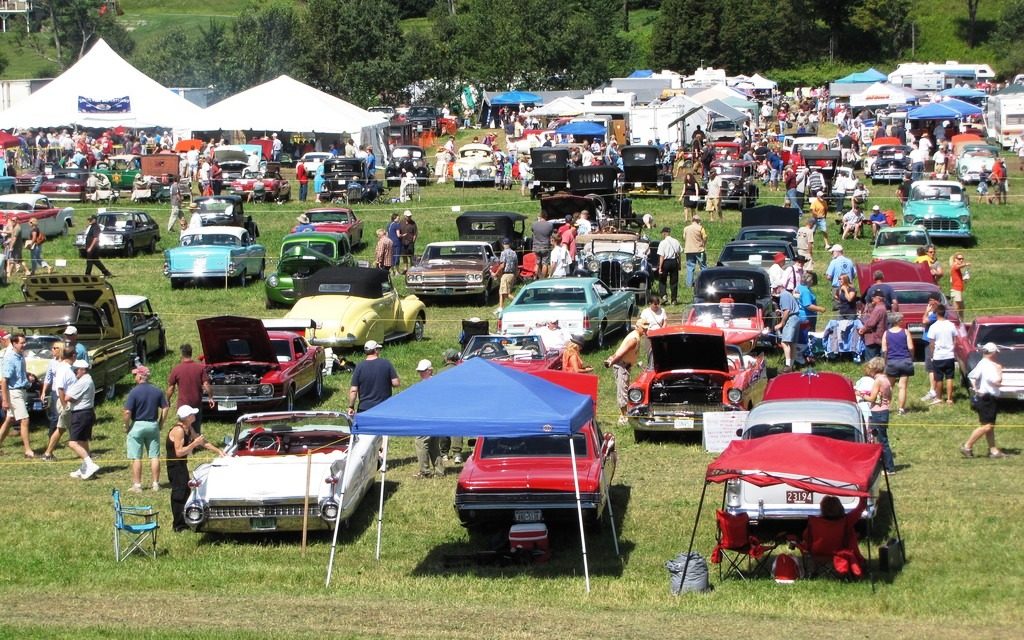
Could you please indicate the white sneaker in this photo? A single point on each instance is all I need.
(77, 473)
(90, 470)
(155, 486)
(928, 396)
(136, 488)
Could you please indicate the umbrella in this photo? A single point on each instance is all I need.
(7, 140)
(516, 98)
(188, 145)
(582, 128)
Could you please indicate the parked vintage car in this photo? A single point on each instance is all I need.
(339, 174)
(582, 306)
(739, 284)
(550, 167)
(302, 255)
(124, 232)
(65, 184)
(642, 171)
(28, 180)
(141, 321)
(872, 154)
(526, 353)
(899, 243)
(352, 305)
(726, 150)
(251, 367)
(739, 183)
(407, 159)
(53, 221)
(600, 184)
(121, 170)
(891, 163)
(754, 253)
(769, 222)
(617, 259)
(274, 187)
(742, 324)
(313, 160)
(815, 403)
(275, 465)
(336, 220)
(474, 166)
(234, 162)
(941, 207)
(425, 118)
(225, 211)
(693, 370)
(492, 227)
(215, 253)
(912, 284)
(975, 161)
(1007, 332)
(455, 268)
(509, 480)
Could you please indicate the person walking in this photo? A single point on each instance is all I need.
(542, 230)
(958, 275)
(880, 398)
(14, 387)
(898, 351)
(669, 251)
(383, 253)
(372, 380)
(92, 248)
(181, 441)
(428, 448)
(509, 270)
(623, 360)
(695, 242)
(819, 212)
(408, 232)
(81, 396)
(62, 377)
(302, 176)
(690, 197)
(985, 379)
(189, 379)
(788, 326)
(36, 240)
(175, 193)
(145, 409)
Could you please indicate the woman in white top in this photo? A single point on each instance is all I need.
(985, 378)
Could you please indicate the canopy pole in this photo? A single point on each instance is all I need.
(380, 505)
(895, 520)
(341, 503)
(693, 533)
(611, 515)
(579, 510)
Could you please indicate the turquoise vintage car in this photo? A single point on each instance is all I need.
(215, 253)
(941, 207)
(582, 306)
(302, 255)
(899, 243)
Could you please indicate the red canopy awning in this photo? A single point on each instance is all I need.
(812, 463)
(8, 140)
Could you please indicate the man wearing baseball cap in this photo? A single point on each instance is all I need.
(71, 340)
(372, 380)
(81, 395)
(985, 379)
(145, 409)
(428, 448)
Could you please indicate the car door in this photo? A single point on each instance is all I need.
(388, 310)
(612, 308)
(304, 367)
(147, 324)
(49, 222)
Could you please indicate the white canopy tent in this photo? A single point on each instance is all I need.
(102, 90)
(285, 104)
(562, 106)
(881, 94)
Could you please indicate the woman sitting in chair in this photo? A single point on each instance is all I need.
(830, 538)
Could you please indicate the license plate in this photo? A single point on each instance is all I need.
(683, 423)
(199, 264)
(799, 497)
(638, 185)
(445, 291)
(37, 406)
(263, 524)
(1020, 395)
(527, 515)
(227, 406)
(535, 183)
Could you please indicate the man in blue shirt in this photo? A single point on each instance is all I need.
(840, 264)
(789, 324)
(14, 387)
(371, 163)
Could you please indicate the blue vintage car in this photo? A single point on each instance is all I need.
(215, 253)
(941, 207)
(582, 306)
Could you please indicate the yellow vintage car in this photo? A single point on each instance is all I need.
(474, 166)
(351, 305)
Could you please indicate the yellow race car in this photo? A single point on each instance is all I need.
(351, 305)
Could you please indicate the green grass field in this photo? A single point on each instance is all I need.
(961, 518)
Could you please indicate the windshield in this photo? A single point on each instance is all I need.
(950, 192)
(328, 216)
(40, 347)
(914, 296)
(282, 349)
(216, 206)
(214, 239)
(767, 234)
(320, 246)
(406, 152)
(891, 238)
(547, 295)
(981, 152)
(475, 153)
(618, 246)
(1004, 335)
(742, 253)
(457, 252)
(533, 447)
(836, 431)
(730, 285)
(117, 220)
(420, 112)
(723, 125)
(490, 347)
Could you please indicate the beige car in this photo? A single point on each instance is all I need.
(457, 268)
(474, 166)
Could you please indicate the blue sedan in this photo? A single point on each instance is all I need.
(221, 253)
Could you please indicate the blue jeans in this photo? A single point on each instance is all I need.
(879, 426)
(872, 351)
(795, 199)
(692, 260)
(303, 191)
(36, 254)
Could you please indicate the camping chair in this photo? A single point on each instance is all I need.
(831, 548)
(142, 535)
(528, 269)
(743, 553)
(473, 327)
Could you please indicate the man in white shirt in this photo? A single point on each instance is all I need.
(669, 251)
(560, 258)
(941, 337)
(714, 197)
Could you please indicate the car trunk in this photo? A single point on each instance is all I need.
(526, 318)
(257, 478)
(527, 475)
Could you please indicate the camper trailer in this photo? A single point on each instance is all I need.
(1005, 117)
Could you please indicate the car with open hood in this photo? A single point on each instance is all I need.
(769, 222)
(526, 353)
(302, 255)
(941, 207)
(65, 184)
(620, 260)
(123, 233)
(407, 159)
(742, 323)
(336, 220)
(352, 305)
(121, 170)
(225, 254)
(474, 166)
(252, 367)
(53, 221)
(693, 370)
(1007, 333)
(283, 471)
(234, 161)
(739, 284)
(455, 268)
(265, 184)
(900, 243)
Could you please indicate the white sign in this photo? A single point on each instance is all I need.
(720, 428)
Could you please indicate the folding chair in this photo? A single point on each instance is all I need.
(743, 553)
(141, 536)
(473, 327)
(831, 548)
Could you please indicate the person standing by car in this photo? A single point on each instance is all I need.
(428, 448)
(898, 350)
(396, 241)
(541, 243)
(559, 257)
(880, 398)
(176, 214)
(303, 179)
(217, 178)
(622, 361)
(82, 397)
(941, 338)
(383, 253)
(509, 269)
(189, 378)
(14, 387)
(788, 326)
(873, 321)
(145, 409)
(92, 248)
(695, 242)
(713, 206)
(669, 251)
(372, 380)
(36, 239)
(985, 379)
(181, 441)
(408, 231)
(958, 275)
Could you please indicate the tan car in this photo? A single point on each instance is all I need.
(456, 268)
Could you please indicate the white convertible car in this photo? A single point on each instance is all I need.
(260, 484)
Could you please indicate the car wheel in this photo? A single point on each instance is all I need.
(640, 436)
(599, 337)
(259, 274)
(418, 327)
(110, 391)
(175, 284)
(600, 206)
(318, 386)
(129, 249)
(289, 399)
(269, 304)
(64, 228)
(152, 246)
(485, 297)
(628, 323)
(240, 279)
(162, 347)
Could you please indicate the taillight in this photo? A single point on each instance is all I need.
(499, 324)
(586, 322)
(193, 483)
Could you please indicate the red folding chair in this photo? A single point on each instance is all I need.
(528, 269)
(831, 547)
(743, 553)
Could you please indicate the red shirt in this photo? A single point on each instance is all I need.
(189, 376)
(956, 279)
(300, 173)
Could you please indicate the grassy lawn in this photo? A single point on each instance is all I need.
(959, 522)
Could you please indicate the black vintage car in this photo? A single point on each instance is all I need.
(739, 183)
(225, 211)
(890, 165)
(550, 166)
(407, 159)
(769, 222)
(642, 170)
(741, 284)
(600, 184)
(618, 259)
(424, 118)
(339, 173)
(493, 226)
(124, 232)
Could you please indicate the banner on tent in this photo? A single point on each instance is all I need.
(113, 105)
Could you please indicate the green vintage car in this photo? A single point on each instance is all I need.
(120, 169)
(303, 254)
(900, 243)
(941, 207)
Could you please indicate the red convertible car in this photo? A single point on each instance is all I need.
(510, 480)
(253, 368)
(742, 324)
(65, 184)
(694, 371)
(336, 220)
(526, 353)
(1007, 332)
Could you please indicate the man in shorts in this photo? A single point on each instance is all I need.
(713, 206)
(509, 267)
(541, 243)
(145, 409)
(789, 324)
(941, 338)
(14, 387)
(82, 396)
(819, 211)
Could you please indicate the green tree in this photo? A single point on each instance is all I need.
(1006, 38)
(71, 27)
(883, 27)
(171, 59)
(686, 34)
(263, 45)
(972, 21)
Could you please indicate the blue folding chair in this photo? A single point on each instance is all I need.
(141, 537)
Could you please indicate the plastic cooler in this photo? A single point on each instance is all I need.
(532, 538)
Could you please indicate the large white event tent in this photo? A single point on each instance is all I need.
(285, 104)
(101, 90)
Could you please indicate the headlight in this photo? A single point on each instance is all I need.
(592, 266)
(232, 267)
(414, 278)
(266, 389)
(635, 395)
(627, 267)
(965, 219)
(909, 219)
(734, 395)
(474, 277)
(195, 513)
(273, 280)
(329, 510)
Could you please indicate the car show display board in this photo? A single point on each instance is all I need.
(720, 428)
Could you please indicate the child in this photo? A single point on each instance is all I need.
(983, 188)
(863, 387)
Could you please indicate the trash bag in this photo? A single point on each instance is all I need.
(696, 574)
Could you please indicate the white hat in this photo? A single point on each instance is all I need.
(408, 214)
(876, 208)
(820, 193)
(80, 364)
(424, 365)
(836, 248)
(990, 347)
(185, 411)
(371, 345)
(71, 331)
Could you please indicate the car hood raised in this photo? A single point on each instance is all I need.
(674, 351)
(219, 334)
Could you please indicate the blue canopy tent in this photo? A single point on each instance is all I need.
(515, 98)
(871, 75)
(963, 107)
(934, 111)
(962, 92)
(582, 128)
(461, 402)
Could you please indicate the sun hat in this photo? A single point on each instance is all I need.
(836, 248)
(408, 214)
(303, 218)
(71, 330)
(990, 347)
(185, 411)
(424, 365)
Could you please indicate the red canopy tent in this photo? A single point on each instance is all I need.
(8, 140)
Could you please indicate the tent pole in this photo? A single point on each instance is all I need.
(693, 533)
(380, 505)
(579, 510)
(895, 520)
(611, 515)
(341, 503)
